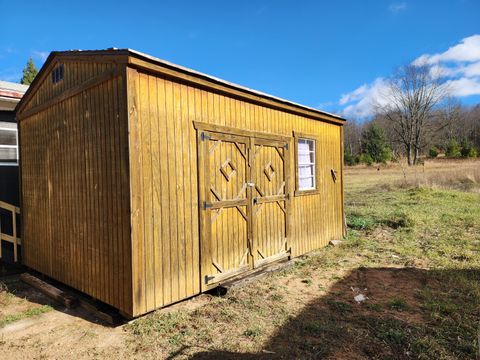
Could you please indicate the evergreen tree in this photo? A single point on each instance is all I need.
(348, 158)
(433, 152)
(468, 150)
(453, 149)
(374, 144)
(29, 73)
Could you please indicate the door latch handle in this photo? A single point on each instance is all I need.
(334, 174)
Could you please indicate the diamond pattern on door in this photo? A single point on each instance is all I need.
(244, 197)
(226, 200)
(270, 198)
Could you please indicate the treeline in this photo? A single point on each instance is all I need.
(453, 130)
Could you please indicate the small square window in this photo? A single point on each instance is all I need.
(57, 74)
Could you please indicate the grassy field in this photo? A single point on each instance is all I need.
(413, 250)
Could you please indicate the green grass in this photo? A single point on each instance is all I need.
(6, 320)
(431, 236)
(158, 323)
(398, 304)
(430, 225)
(253, 332)
(339, 306)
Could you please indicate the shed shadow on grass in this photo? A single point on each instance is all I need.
(409, 313)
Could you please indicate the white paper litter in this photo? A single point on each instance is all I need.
(360, 298)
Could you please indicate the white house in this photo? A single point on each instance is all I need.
(10, 95)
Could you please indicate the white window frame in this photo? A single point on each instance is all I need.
(308, 165)
(312, 153)
(11, 146)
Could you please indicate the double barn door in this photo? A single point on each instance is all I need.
(244, 202)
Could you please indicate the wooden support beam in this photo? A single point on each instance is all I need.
(50, 290)
(9, 238)
(14, 233)
(9, 207)
(111, 319)
(14, 210)
(68, 300)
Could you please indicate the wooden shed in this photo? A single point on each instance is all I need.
(144, 183)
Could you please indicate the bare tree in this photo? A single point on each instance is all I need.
(353, 137)
(451, 114)
(408, 102)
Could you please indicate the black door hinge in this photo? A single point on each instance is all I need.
(206, 205)
(205, 137)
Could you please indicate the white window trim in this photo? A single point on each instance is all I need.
(11, 146)
(312, 143)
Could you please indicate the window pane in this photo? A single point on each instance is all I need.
(8, 137)
(303, 147)
(306, 183)
(306, 164)
(8, 154)
(304, 159)
(305, 171)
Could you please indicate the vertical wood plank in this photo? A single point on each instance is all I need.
(147, 259)
(157, 191)
(136, 193)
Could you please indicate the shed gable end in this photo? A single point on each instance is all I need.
(63, 76)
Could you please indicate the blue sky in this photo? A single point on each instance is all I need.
(332, 55)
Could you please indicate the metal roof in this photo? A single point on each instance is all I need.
(10, 94)
(12, 90)
(167, 64)
(224, 82)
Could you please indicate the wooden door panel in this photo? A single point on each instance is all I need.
(270, 230)
(243, 187)
(270, 200)
(226, 203)
(228, 240)
(269, 170)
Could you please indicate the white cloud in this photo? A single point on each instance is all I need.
(397, 7)
(363, 100)
(472, 70)
(354, 95)
(464, 86)
(467, 51)
(460, 65)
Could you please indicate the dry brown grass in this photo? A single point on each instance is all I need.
(461, 174)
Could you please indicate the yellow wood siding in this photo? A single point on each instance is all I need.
(110, 179)
(75, 188)
(75, 72)
(164, 185)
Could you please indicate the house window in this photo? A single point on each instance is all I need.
(306, 164)
(8, 142)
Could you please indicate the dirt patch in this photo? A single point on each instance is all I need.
(391, 290)
(60, 334)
